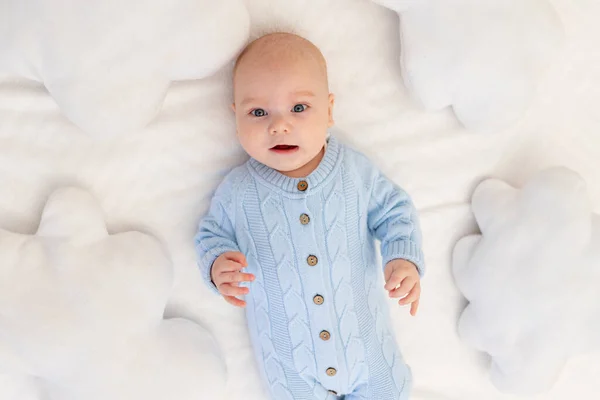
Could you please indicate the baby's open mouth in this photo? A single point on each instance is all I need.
(284, 148)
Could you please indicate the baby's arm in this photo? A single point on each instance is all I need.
(219, 257)
(393, 220)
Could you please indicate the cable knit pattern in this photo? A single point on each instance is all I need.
(317, 317)
(334, 211)
(302, 350)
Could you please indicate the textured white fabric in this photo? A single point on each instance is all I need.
(160, 179)
(483, 58)
(531, 278)
(82, 312)
(108, 65)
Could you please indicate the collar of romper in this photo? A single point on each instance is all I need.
(326, 170)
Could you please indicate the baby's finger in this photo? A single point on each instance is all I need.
(406, 286)
(414, 307)
(412, 296)
(230, 289)
(395, 280)
(235, 301)
(387, 274)
(229, 266)
(231, 276)
(236, 257)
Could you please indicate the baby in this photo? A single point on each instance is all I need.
(292, 231)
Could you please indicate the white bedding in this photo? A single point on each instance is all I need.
(159, 179)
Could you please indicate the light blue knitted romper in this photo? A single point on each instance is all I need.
(317, 314)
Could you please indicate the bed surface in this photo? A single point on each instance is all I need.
(159, 179)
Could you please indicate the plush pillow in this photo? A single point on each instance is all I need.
(531, 278)
(108, 63)
(18, 387)
(481, 58)
(83, 311)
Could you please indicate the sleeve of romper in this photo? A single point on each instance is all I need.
(393, 220)
(216, 234)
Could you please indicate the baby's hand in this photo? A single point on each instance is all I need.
(402, 279)
(226, 275)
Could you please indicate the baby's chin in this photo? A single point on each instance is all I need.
(286, 167)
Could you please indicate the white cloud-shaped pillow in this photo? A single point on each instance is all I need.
(108, 63)
(83, 311)
(482, 58)
(531, 278)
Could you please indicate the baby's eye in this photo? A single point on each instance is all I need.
(259, 112)
(298, 108)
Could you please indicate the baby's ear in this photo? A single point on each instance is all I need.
(233, 106)
(331, 103)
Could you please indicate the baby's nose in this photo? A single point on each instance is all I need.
(279, 126)
(278, 130)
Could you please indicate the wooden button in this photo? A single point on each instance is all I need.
(318, 299)
(304, 219)
(325, 335)
(331, 371)
(312, 260)
(302, 186)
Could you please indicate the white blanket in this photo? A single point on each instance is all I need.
(159, 179)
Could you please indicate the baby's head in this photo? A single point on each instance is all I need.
(282, 103)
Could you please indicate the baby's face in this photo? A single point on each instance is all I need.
(283, 109)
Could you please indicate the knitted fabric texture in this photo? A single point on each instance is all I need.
(316, 315)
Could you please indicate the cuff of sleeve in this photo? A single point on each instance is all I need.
(206, 263)
(405, 250)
